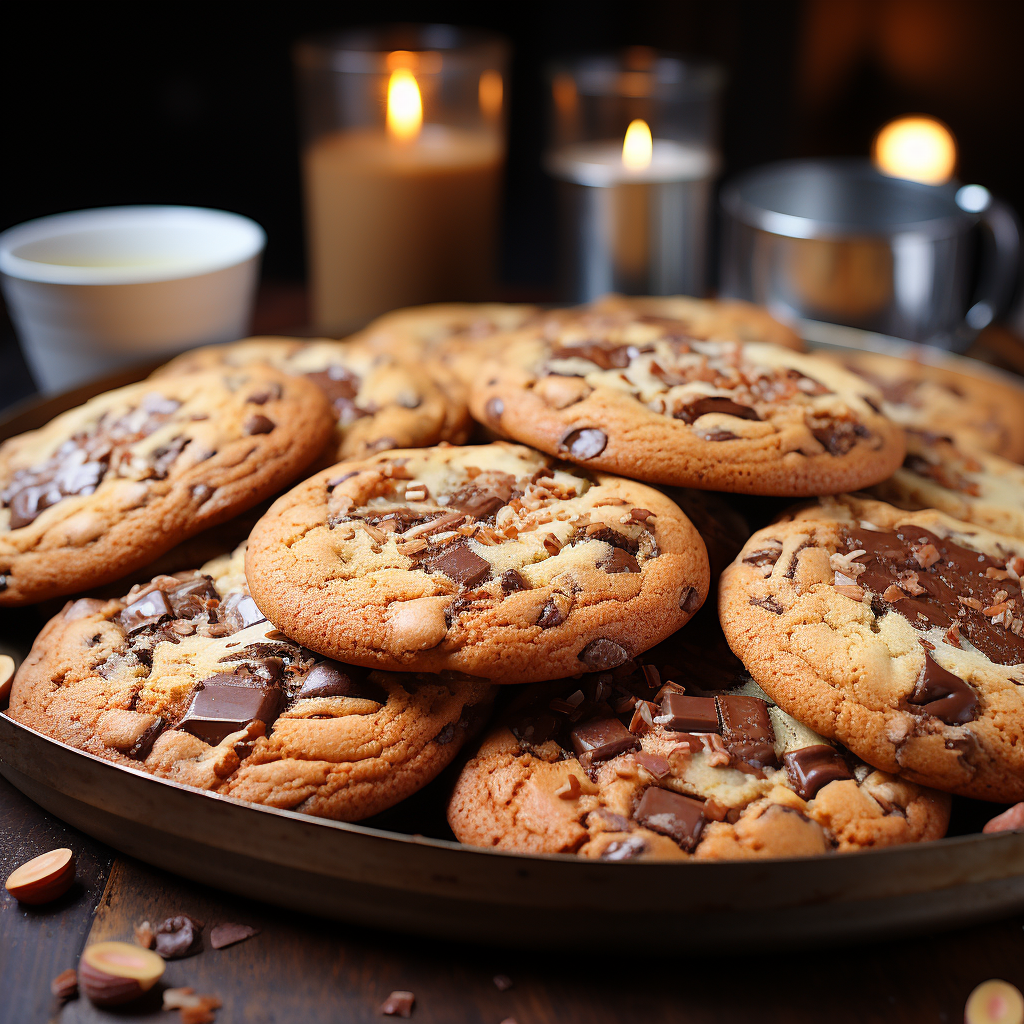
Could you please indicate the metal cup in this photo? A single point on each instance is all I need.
(837, 241)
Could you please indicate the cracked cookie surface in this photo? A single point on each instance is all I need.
(378, 401)
(107, 487)
(682, 756)
(897, 633)
(634, 394)
(492, 560)
(966, 483)
(979, 412)
(184, 678)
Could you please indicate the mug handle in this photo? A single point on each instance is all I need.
(996, 287)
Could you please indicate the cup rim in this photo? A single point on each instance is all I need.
(789, 225)
(248, 241)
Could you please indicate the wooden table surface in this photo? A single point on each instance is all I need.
(301, 970)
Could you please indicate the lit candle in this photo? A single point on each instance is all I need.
(639, 210)
(405, 212)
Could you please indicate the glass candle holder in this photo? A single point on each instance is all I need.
(402, 154)
(634, 148)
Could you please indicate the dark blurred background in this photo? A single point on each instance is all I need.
(194, 104)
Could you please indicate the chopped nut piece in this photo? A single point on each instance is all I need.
(893, 594)
(65, 985)
(851, 591)
(144, 935)
(926, 555)
(398, 1004)
(970, 602)
(643, 717)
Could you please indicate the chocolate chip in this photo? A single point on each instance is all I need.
(493, 410)
(768, 603)
(764, 558)
(605, 355)
(336, 382)
(617, 560)
(331, 484)
(258, 424)
(459, 562)
(837, 438)
(188, 600)
(512, 581)
(702, 406)
(144, 744)
(332, 679)
(585, 442)
(689, 599)
(178, 937)
(202, 492)
(943, 694)
(240, 611)
(689, 714)
(625, 849)
(551, 615)
(811, 768)
(272, 392)
(446, 735)
(223, 704)
(679, 817)
(602, 739)
(601, 654)
(616, 538)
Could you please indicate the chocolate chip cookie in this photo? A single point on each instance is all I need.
(897, 633)
(107, 487)
(723, 319)
(378, 401)
(967, 484)
(492, 560)
(638, 396)
(979, 411)
(184, 678)
(677, 758)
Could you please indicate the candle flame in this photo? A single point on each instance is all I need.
(637, 147)
(405, 106)
(919, 148)
(490, 92)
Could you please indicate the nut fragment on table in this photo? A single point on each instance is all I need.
(65, 985)
(112, 973)
(144, 935)
(228, 933)
(994, 1002)
(44, 878)
(193, 1008)
(398, 1004)
(178, 937)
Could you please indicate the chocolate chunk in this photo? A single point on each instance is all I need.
(625, 849)
(178, 937)
(240, 611)
(658, 766)
(693, 411)
(689, 714)
(258, 424)
(615, 538)
(483, 502)
(721, 435)
(551, 615)
(837, 438)
(189, 598)
(144, 744)
(459, 562)
(811, 768)
(689, 599)
(493, 410)
(147, 610)
(585, 442)
(332, 679)
(768, 603)
(747, 730)
(512, 581)
(944, 695)
(618, 560)
(679, 817)
(228, 934)
(766, 557)
(602, 739)
(446, 735)
(271, 392)
(223, 704)
(337, 383)
(601, 654)
(163, 458)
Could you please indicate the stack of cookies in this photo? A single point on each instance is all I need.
(531, 612)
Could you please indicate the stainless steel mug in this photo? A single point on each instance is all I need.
(837, 241)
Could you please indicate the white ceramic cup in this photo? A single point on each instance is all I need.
(96, 290)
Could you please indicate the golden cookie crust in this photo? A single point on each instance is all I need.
(133, 472)
(885, 674)
(978, 412)
(541, 796)
(492, 560)
(966, 483)
(637, 395)
(350, 747)
(379, 402)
